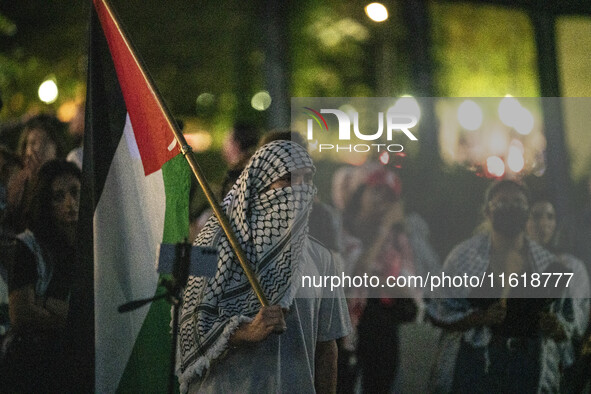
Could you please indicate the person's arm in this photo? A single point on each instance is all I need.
(493, 315)
(269, 319)
(325, 374)
(25, 311)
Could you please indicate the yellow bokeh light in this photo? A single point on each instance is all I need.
(200, 141)
(261, 100)
(66, 111)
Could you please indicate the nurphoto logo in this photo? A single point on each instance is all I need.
(373, 128)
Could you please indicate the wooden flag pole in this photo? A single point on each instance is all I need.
(187, 151)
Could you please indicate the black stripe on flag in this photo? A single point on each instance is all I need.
(105, 119)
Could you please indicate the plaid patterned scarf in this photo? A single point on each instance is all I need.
(271, 226)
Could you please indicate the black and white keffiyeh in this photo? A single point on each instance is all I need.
(271, 226)
(472, 258)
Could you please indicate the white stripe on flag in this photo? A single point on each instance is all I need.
(128, 226)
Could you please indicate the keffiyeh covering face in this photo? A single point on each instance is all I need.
(271, 226)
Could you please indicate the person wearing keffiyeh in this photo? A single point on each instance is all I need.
(227, 342)
(498, 339)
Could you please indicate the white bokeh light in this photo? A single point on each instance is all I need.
(470, 115)
(509, 110)
(406, 105)
(515, 160)
(524, 123)
(377, 12)
(495, 166)
(48, 91)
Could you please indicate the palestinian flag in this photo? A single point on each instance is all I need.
(135, 194)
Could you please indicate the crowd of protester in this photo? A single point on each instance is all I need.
(486, 340)
(39, 192)
(516, 341)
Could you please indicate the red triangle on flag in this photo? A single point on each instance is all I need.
(151, 124)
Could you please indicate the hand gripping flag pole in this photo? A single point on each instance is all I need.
(107, 17)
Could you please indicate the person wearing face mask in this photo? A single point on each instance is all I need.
(39, 282)
(494, 338)
(227, 341)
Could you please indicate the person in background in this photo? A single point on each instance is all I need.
(42, 140)
(495, 338)
(240, 144)
(582, 232)
(6, 246)
(40, 279)
(9, 166)
(542, 228)
(378, 241)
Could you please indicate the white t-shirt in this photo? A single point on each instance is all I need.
(285, 363)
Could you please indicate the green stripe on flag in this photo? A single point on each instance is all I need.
(177, 183)
(148, 366)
